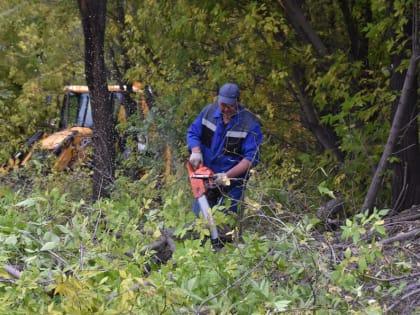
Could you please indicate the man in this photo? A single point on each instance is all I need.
(225, 137)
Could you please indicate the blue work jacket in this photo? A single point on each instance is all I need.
(224, 146)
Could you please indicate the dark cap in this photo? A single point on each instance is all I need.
(228, 94)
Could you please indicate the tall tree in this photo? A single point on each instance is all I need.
(365, 54)
(397, 126)
(405, 181)
(326, 137)
(117, 49)
(403, 140)
(93, 15)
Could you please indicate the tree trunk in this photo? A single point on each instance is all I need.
(396, 128)
(325, 136)
(93, 16)
(119, 46)
(358, 42)
(302, 26)
(405, 178)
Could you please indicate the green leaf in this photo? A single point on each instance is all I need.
(362, 264)
(325, 191)
(281, 306)
(11, 240)
(383, 212)
(30, 202)
(49, 246)
(347, 253)
(356, 237)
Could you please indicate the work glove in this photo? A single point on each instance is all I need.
(196, 158)
(221, 179)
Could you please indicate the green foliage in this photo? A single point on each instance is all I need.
(81, 258)
(357, 109)
(186, 49)
(35, 63)
(362, 254)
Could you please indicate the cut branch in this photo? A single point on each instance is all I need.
(12, 271)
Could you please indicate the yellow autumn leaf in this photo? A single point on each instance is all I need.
(157, 233)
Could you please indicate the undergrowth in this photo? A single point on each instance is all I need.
(74, 257)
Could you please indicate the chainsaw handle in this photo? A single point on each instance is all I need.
(190, 168)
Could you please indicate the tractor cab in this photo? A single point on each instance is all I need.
(73, 140)
(76, 107)
(84, 112)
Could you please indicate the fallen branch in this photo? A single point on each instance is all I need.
(16, 275)
(401, 237)
(56, 256)
(410, 275)
(164, 239)
(402, 218)
(171, 244)
(5, 280)
(406, 296)
(12, 271)
(155, 245)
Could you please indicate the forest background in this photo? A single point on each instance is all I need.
(334, 84)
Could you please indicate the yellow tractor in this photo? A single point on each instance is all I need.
(73, 140)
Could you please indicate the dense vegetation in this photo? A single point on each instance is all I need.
(324, 77)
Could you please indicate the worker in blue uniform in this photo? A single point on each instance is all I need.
(226, 138)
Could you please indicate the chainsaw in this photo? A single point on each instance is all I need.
(201, 180)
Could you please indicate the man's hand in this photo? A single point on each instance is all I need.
(196, 158)
(222, 179)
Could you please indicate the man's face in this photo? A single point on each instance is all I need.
(228, 110)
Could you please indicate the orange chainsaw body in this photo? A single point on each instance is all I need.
(200, 179)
